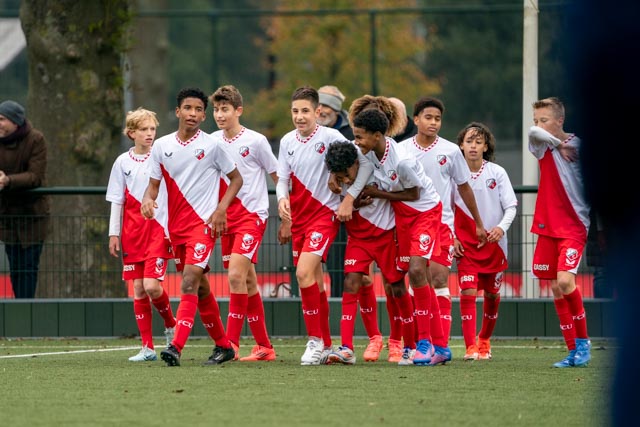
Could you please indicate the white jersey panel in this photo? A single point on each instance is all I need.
(253, 156)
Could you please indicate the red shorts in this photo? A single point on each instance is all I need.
(360, 253)
(446, 247)
(152, 268)
(316, 239)
(194, 252)
(418, 233)
(488, 282)
(245, 240)
(552, 255)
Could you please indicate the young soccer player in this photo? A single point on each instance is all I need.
(367, 298)
(482, 267)
(191, 163)
(247, 219)
(313, 211)
(370, 238)
(418, 212)
(561, 221)
(144, 245)
(443, 162)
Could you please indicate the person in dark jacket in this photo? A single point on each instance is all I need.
(24, 217)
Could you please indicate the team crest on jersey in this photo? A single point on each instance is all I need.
(425, 241)
(168, 155)
(442, 159)
(199, 153)
(244, 151)
(572, 256)
(491, 183)
(320, 147)
(315, 239)
(392, 175)
(247, 242)
(199, 250)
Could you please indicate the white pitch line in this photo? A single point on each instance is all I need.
(14, 356)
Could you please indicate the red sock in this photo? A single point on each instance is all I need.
(576, 308)
(395, 319)
(435, 322)
(324, 319)
(369, 310)
(405, 308)
(142, 311)
(210, 316)
(444, 302)
(163, 305)
(311, 310)
(348, 319)
(468, 316)
(422, 301)
(256, 320)
(490, 316)
(566, 322)
(184, 317)
(235, 319)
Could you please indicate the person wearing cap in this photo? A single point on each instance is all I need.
(24, 217)
(331, 113)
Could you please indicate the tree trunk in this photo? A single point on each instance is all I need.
(148, 65)
(75, 98)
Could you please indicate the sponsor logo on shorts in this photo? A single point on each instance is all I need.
(295, 254)
(129, 267)
(467, 278)
(349, 262)
(405, 258)
(226, 258)
(541, 267)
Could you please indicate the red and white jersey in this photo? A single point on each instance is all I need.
(371, 221)
(397, 171)
(494, 194)
(140, 238)
(301, 160)
(561, 208)
(444, 163)
(252, 154)
(191, 170)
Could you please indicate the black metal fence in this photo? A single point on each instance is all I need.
(76, 263)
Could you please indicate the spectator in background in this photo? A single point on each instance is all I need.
(331, 113)
(409, 128)
(24, 217)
